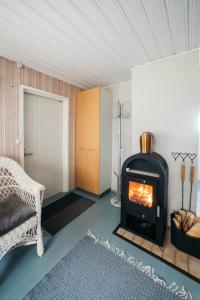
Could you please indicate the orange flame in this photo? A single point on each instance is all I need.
(141, 193)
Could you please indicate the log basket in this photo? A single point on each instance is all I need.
(184, 242)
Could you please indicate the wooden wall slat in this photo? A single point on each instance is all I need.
(11, 75)
(44, 82)
(9, 108)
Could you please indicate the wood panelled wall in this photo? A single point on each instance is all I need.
(13, 74)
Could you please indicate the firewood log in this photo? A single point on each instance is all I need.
(188, 221)
(178, 218)
(178, 225)
(194, 231)
(196, 220)
(182, 213)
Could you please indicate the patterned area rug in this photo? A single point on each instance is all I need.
(95, 269)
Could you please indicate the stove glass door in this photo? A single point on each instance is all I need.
(140, 193)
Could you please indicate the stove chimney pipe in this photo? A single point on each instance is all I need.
(146, 142)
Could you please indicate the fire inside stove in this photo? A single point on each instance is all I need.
(141, 193)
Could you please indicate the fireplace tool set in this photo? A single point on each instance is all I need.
(185, 225)
(192, 157)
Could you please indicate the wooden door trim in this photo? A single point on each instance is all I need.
(20, 141)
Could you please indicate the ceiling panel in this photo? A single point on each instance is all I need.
(158, 21)
(114, 24)
(96, 42)
(177, 12)
(137, 18)
(195, 23)
(89, 35)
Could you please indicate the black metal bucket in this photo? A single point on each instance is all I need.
(184, 242)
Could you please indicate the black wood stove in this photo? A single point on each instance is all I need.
(144, 196)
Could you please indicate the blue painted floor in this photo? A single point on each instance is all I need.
(21, 269)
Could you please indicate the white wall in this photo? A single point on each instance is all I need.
(165, 101)
(121, 92)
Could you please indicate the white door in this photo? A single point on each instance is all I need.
(43, 142)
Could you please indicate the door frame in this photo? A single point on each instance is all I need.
(65, 101)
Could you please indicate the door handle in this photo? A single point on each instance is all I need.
(27, 154)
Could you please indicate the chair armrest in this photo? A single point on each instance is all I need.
(28, 184)
(32, 191)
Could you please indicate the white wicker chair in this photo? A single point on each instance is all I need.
(13, 180)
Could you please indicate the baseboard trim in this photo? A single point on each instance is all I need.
(92, 194)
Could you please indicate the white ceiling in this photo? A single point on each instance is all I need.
(96, 42)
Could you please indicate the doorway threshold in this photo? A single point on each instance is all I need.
(54, 198)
